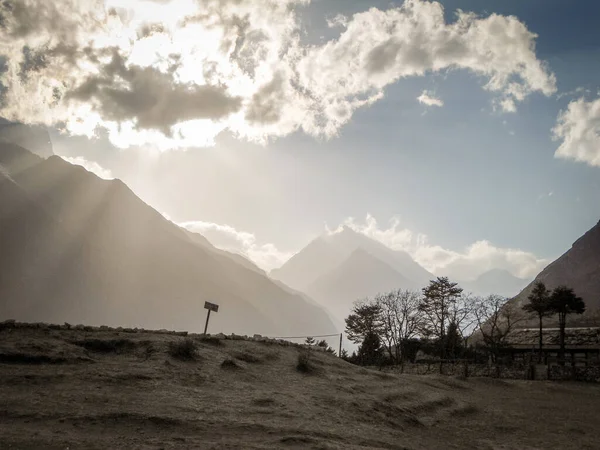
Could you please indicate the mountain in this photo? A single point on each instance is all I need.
(495, 281)
(578, 268)
(338, 268)
(80, 249)
(360, 275)
(34, 138)
(329, 251)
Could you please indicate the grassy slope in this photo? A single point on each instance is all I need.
(125, 391)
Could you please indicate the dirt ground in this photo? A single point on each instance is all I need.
(107, 389)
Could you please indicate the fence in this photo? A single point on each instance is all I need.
(525, 371)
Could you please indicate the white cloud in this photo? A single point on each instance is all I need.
(428, 99)
(225, 237)
(90, 166)
(466, 264)
(579, 130)
(176, 73)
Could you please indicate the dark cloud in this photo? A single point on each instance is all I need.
(383, 56)
(24, 18)
(33, 61)
(267, 103)
(151, 98)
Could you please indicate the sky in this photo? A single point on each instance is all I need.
(466, 132)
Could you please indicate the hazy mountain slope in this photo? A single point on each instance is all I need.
(325, 253)
(495, 281)
(360, 275)
(239, 259)
(32, 137)
(314, 260)
(578, 268)
(116, 260)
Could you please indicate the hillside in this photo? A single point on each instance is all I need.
(360, 275)
(578, 268)
(329, 251)
(77, 248)
(338, 268)
(35, 138)
(495, 281)
(98, 389)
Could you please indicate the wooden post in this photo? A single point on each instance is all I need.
(340, 352)
(206, 324)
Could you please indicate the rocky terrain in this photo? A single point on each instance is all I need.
(96, 388)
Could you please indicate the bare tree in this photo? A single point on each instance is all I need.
(401, 320)
(495, 320)
(462, 314)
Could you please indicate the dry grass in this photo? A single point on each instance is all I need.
(248, 395)
(184, 350)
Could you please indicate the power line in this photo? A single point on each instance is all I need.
(301, 337)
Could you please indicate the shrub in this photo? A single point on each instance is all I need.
(185, 350)
(304, 363)
(106, 345)
(247, 357)
(229, 364)
(211, 340)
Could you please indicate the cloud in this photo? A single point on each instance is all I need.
(466, 264)
(578, 127)
(90, 166)
(176, 73)
(225, 237)
(427, 99)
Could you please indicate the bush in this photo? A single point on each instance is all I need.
(247, 357)
(185, 350)
(229, 364)
(304, 363)
(107, 345)
(211, 340)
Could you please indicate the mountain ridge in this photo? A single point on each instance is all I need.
(88, 250)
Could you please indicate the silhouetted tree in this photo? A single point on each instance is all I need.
(539, 304)
(435, 305)
(370, 352)
(452, 341)
(564, 301)
(345, 355)
(310, 341)
(364, 320)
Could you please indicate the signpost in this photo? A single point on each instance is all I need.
(211, 307)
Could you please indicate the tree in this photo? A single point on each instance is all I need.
(495, 320)
(539, 304)
(369, 352)
(564, 301)
(345, 355)
(364, 320)
(435, 305)
(462, 317)
(323, 344)
(453, 342)
(309, 341)
(400, 320)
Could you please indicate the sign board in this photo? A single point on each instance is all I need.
(211, 306)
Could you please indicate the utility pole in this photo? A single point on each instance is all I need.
(340, 352)
(211, 307)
